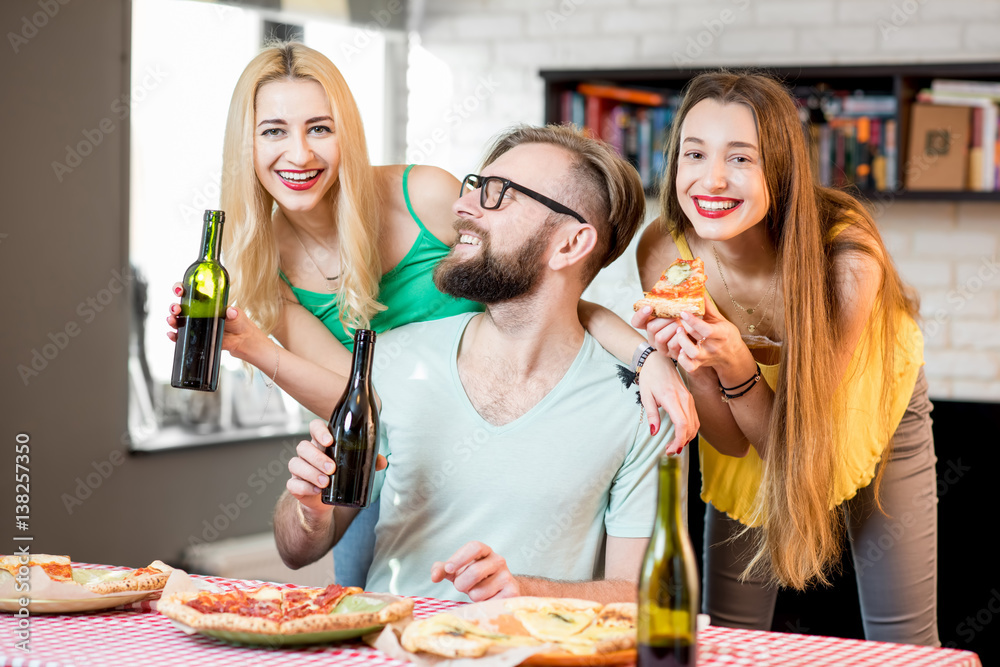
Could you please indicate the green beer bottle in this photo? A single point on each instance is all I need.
(668, 584)
(203, 314)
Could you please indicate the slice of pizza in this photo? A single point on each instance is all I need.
(612, 630)
(272, 610)
(58, 568)
(151, 578)
(448, 636)
(256, 610)
(680, 289)
(553, 619)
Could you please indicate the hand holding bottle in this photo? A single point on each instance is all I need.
(240, 332)
(311, 468)
(201, 321)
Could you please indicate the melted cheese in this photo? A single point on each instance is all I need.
(554, 624)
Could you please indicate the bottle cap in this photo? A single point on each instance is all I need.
(215, 216)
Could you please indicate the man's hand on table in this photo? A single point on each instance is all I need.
(479, 572)
(311, 468)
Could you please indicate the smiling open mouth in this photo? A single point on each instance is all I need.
(299, 180)
(469, 239)
(716, 208)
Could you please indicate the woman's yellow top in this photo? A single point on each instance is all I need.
(731, 483)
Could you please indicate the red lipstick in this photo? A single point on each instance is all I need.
(715, 213)
(299, 185)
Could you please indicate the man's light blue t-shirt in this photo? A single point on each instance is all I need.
(541, 491)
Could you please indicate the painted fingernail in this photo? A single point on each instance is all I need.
(653, 429)
(178, 291)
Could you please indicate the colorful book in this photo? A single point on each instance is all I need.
(628, 95)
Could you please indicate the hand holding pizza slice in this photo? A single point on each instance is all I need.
(680, 289)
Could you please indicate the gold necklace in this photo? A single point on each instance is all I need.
(740, 309)
(329, 285)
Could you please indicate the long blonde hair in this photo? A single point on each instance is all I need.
(802, 534)
(250, 248)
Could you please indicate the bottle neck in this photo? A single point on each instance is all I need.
(361, 363)
(211, 240)
(669, 512)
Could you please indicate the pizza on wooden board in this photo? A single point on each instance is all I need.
(680, 289)
(571, 627)
(272, 610)
(60, 569)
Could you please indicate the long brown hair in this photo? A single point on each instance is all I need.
(802, 534)
(251, 250)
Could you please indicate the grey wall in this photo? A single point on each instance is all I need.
(61, 244)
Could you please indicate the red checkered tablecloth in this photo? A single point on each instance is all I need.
(134, 635)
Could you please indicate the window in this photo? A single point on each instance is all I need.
(186, 57)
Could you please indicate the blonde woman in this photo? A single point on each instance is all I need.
(806, 369)
(319, 241)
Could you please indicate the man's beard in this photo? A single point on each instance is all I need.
(491, 278)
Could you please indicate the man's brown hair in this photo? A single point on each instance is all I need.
(605, 189)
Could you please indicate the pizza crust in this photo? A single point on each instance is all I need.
(152, 580)
(525, 621)
(175, 606)
(447, 636)
(672, 308)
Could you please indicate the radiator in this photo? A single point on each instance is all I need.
(254, 557)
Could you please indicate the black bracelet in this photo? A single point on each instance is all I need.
(726, 397)
(742, 384)
(642, 359)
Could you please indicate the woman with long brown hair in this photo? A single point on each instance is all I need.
(318, 241)
(802, 294)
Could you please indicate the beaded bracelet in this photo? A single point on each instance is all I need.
(642, 359)
(726, 397)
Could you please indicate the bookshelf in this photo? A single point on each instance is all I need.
(884, 95)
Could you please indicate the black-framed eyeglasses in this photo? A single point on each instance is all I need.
(493, 188)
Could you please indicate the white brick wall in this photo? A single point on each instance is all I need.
(950, 252)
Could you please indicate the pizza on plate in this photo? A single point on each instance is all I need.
(60, 569)
(571, 627)
(680, 289)
(272, 610)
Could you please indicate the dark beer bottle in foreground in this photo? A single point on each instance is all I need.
(203, 314)
(354, 426)
(668, 584)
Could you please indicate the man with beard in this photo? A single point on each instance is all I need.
(518, 464)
